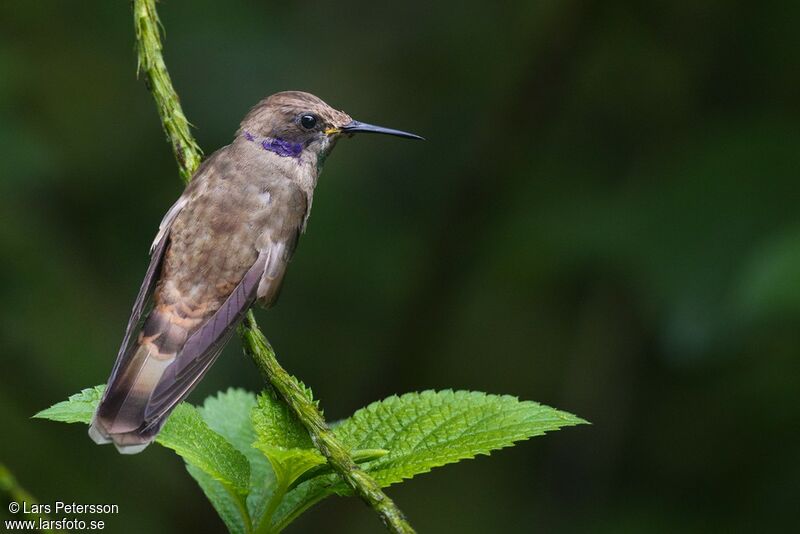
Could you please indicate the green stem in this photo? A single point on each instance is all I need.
(151, 62)
(295, 513)
(241, 505)
(265, 526)
(298, 399)
(188, 154)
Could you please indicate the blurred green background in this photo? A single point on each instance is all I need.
(604, 218)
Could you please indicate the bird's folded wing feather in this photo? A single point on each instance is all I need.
(195, 356)
(157, 250)
(204, 345)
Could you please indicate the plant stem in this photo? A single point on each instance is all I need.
(265, 526)
(241, 505)
(151, 62)
(295, 513)
(298, 399)
(188, 155)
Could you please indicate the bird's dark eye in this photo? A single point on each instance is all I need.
(308, 121)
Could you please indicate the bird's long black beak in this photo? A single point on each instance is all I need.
(358, 127)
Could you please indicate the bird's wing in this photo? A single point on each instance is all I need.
(263, 281)
(150, 377)
(204, 345)
(145, 295)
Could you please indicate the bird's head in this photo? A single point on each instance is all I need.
(300, 125)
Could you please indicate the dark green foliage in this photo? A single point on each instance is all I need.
(229, 442)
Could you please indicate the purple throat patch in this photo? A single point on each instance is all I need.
(281, 147)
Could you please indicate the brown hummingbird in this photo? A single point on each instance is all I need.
(222, 246)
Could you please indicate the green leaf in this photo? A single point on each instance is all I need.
(426, 430)
(359, 456)
(187, 434)
(396, 439)
(286, 444)
(228, 413)
(307, 392)
(429, 429)
(227, 504)
(222, 471)
(276, 426)
(79, 408)
(290, 464)
(303, 497)
(283, 440)
(311, 486)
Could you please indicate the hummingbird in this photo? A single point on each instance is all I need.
(224, 245)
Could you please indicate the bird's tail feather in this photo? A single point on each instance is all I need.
(120, 417)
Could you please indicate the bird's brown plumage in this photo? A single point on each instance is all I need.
(273, 115)
(243, 204)
(224, 244)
